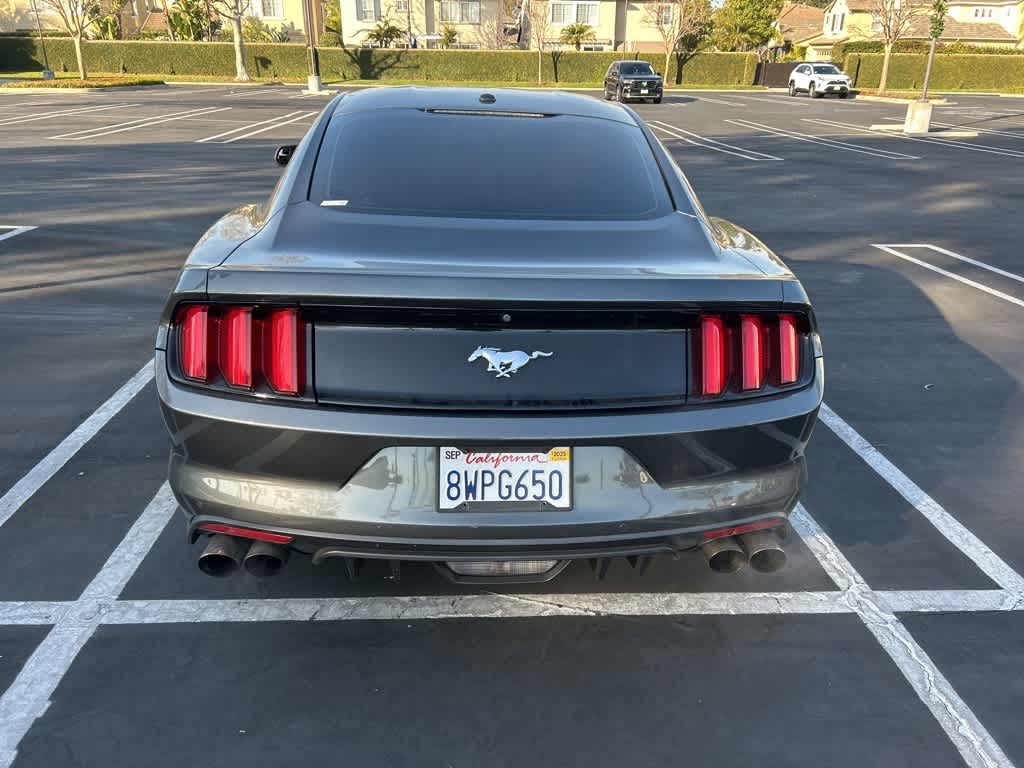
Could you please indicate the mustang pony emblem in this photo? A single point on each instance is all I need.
(504, 364)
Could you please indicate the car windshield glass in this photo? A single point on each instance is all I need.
(434, 163)
(642, 68)
(826, 69)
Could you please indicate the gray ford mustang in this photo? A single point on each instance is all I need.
(495, 332)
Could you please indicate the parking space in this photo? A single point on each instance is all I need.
(891, 637)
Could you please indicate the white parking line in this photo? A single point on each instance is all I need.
(720, 101)
(257, 92)
(970, 127)
(977, 551)
(142, 122)
(959, 144)
(975, 262)
(946, 273)
(29, 695)
(276, 122)
(12, 231)
(976, 746)
(833, 143)
(33, 117)
(706, 143)
(245, 127)
(24, 489)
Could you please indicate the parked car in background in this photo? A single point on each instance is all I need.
(627, 80)
(816, 80)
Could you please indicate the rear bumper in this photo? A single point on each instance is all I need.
(363, 482)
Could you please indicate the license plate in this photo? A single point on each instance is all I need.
(643, 91)
(504, 479)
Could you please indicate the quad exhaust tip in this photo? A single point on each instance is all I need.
(763, 551)
(265, 559)
(222, 556)
(724, 555)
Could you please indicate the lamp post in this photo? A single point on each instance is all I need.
(47, 72)
(312, 39)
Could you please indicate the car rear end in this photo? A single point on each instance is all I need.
(496, 396)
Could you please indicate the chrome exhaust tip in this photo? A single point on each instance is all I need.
(222, 556)
(724, 555)
(764, 551)
(265, 559)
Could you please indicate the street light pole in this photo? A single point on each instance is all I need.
(312, 38)
(928, 70)
(47, 72)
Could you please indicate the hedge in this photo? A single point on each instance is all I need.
(288, 61)
(950, 72)
(841, 50)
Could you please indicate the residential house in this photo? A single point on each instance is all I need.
(798, 23)
(476, 23)
(630, 26)
(966, 22)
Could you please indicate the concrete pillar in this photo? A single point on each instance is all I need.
(919, 118)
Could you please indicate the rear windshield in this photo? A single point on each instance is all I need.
(414, 162)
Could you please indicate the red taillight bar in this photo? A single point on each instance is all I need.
(241, 345)
(753, 347)
(195, 343)
(789, 350)
(236, 346)
(736, 530)
(246, 533)
(713, 355)
(281, 351)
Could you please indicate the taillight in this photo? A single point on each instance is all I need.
(248, 348)
(236, 346)
(281, 345)
(789, 350)
(195, 343)
(713, 355)
(744, 354)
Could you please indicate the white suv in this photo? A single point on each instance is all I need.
(819, 79)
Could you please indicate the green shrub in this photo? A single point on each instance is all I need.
(841, 50)
(288, 61)
(994, 72)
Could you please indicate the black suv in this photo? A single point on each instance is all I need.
(626, 80)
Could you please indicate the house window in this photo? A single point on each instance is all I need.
(401, 6)
(575, 13)
(366, 10)
(268, 9)
(460, 11)
(665, 14)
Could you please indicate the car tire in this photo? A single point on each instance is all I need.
(657, 100)
(618, 94)
(792, 88)
(811, 92)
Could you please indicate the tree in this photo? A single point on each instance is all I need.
(892, 20)
(235, 11)
(189, 19)
(744, 25)
(385, 33)
(936, 26)
(681, 24)
(448, 37)
(107, 18)
(576, 35)
(77, 16)
(539, 20)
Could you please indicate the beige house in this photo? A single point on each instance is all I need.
(993, 23)
(618, 25)
(476, 23)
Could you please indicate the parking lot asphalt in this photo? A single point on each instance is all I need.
(892, 637)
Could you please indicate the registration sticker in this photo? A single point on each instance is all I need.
(514, 480)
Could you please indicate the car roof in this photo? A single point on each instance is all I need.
(470, 99)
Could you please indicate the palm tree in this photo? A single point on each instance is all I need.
(385, 33)
(577, 34)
